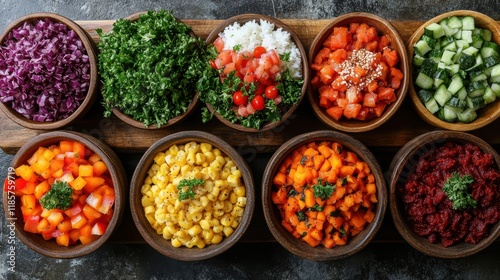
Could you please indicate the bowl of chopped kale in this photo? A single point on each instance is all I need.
(150, 63)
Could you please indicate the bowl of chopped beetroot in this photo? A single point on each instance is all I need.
(444, 195)
(48, 71)
(359, 72)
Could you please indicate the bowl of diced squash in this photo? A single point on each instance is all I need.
(192, 196)
(359, 72)
(324, 195)
(455, 60)
(66, 192)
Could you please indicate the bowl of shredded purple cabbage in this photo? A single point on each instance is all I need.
(48, 71)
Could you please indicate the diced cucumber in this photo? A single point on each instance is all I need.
(480, 77)
(442, 95)
(486, 34)
(477, 41)
(467, 36)
(462, 93)
(432, 106)
(475, 89)
(418, 60)
(489, 96)
(496, 89)
(490, 48)
(429, 66)
(456, 103)
(456, 84)
(467, 116)
(421, 47)
(447, 57)
(454, 68)
(425, 95)
(431, 42)
(475, 102)
(434, 30)
(454, 22)
(462, 43)
(468, 23)
(449, 115)
(495, 74)
(451, 47)
(491, 61)
(435, 53)
(466, 61)
(424, 81)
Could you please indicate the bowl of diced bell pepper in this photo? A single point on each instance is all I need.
(359, 72)
(66, 192)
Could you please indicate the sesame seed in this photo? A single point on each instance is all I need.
(360, 58)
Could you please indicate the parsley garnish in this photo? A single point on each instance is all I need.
(456, 189)
(342, 232)
(285, 56)
(237, 48)
(316, 208)
(292, 192)
(323, 192)
(186, 187)
(58, 197)
(301, 216)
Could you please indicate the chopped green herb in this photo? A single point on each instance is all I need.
(323, 192)
(186, 188)
(292, 192)
(58, 197)
(301, 216)
(317, 208)
(342, 233)
(456, 188)
(150, 67)
(237, 48)
(303, 160)
(285, 56)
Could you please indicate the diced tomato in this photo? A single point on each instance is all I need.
(335, 112)
(379, 109)
(78, 221)
(91, 213)
(322, 55)
(99, 228)
(74, 210)
(338, 55)
(353, 95)
(386, 94)
(94, 200)
(370, 99)
(327, 74)
(352, 110)
(31, 224)
(219, 44)
(107, 203)
(391, 57)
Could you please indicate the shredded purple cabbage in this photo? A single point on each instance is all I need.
(44, 71)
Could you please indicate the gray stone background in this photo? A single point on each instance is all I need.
(245, 260)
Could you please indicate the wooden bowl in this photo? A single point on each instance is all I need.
(272, 214)
(156, 240)
(91, 96)
(49, 248)
(175, 120)
(242, 19)
(485, 115)
(403, 165)
(384, 27)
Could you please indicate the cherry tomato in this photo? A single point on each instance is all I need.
(271, 92)
(258, 103)
(239, 98)
(258, 51)
(212, 64)
(260, 90)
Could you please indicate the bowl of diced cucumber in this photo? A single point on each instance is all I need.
(456, 70)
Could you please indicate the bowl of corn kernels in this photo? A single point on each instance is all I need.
(191, 196)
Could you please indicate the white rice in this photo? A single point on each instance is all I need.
(252, 34)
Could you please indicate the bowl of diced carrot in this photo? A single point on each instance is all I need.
(65, 192)
(359, 72)
(324, 195)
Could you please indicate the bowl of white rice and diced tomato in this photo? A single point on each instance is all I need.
(259, 73)
(192, 196)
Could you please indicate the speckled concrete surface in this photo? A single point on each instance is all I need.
(245, 260)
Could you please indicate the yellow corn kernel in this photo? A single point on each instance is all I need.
(241, 202)
(205, 147)
(228, 231)
(176, 243)
(217, 238)
(149, 209)
(226, 220)
(228, 206)
(195, 230)
(239, 191)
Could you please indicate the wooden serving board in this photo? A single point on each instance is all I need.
(403, 126)
(131, 142)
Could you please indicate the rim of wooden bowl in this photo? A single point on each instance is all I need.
(384, 27)
(156, 240)
(49, 248)
(399, 166)
(175, 120)
(273, 218)
(91, 96)
(243, 18)
(487, 114)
